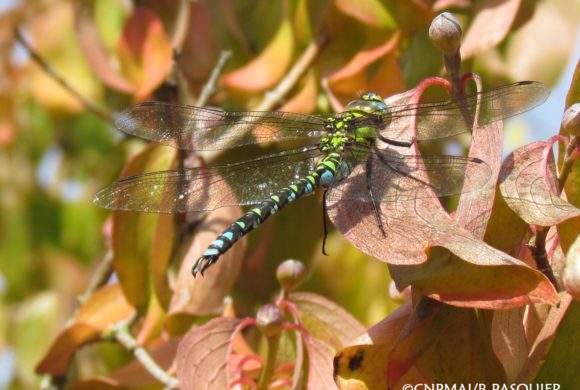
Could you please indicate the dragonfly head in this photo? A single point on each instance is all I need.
(368, 103)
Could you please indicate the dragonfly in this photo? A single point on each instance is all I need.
(366, 134)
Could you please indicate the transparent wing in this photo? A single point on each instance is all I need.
(189, 127)
(206, 188)
(395, 177)
(447, 118)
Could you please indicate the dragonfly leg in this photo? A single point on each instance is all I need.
(393, 142)
(324, 225)
(372, 196)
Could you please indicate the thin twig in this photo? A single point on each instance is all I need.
(120, 333)
(210, 86)
(100, 277)
(300, 67)
(87, 103)
(541, 257)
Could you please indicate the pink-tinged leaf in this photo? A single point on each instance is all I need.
(509, 342)
(144, 51)
(571, 276)
(134, 374)
(492, 22)
(326, 320)
(202, 355)
(524, 181)
(268, 68)
(305, 100)
(442, 5)
(320, 370)
(204, 295)
(478, 275)
(133, 231)
(370, 12)
(543, 342)
(106, 307)
(95, 52)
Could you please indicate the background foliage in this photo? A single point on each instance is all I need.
(55, 154)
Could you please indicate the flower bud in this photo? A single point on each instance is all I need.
(290, 274)
(571, 120)
(445, 32)
(269, 320)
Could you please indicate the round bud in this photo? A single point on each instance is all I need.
(269, 320)
(571, 120)
(290, 274)
(445, 32)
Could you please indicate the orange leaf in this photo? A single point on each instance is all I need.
(268, 68)
(370, 12)
(144, 51)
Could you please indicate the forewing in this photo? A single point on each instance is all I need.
(395, 177)
(204, 188)
(200, 128)
(448, 118)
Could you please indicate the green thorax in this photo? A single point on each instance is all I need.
(344, 129)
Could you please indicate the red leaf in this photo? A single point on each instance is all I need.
(202, 355)
(524, 184)
(320, 369)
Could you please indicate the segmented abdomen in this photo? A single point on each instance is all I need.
(325, 174)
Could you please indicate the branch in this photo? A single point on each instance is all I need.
(120, 333)
(86, 102)
(299, 68)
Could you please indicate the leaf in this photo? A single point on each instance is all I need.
(144, 51)
(305, 100)
(370, 12)
(106, 307)
(524, 184)
(353, 76)
(93, 48)
(134, 374)
(553, 346)
(202, 355)
(133, 231)
(571, 274)
(490, 26)
(268, 68)
(509, 342)
(326, 320)
(473, 274)
(320, 368)
(364, 362)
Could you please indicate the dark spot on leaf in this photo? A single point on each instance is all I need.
(356, 361)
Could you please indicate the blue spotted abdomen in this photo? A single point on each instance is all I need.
(330, 170)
